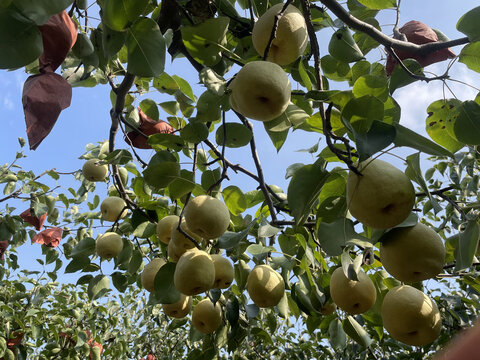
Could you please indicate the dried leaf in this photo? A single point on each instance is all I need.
(44, 97)
(3, 247)
(419, 33)
(59, 34)
(28, 217)
(148, 126)
(49, 237)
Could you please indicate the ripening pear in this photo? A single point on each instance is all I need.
(179, 309)
(207, 317)
(112, 207)
(291, 35)
(382, 197)
(149, 273)
(410, 316)
(224, 272)
(343, 47)
(165, 227)
(195, 272)
(265, 286)
(207, 216)
(174, 253)
(108, 245)
(354, 297)
(92, 170)
(413, 253)
(260, 91)
(180, 241)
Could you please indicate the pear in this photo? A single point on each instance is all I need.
(207, 216)
(265, 286)
(165, 227)
(410, 316)
(224, 272)
(108, 245)
(92, 170)
(149, 273)
(207, 317)
(180, 241)
(260, 91)
(343, 47)
(354, 297)
(195, 272)
(112, 207)
(174, 253)
(412, 253)
(179, 309)
(382, 197)
(291, 36)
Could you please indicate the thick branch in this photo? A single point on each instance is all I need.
(385, 40)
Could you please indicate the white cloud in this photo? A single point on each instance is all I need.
(7, 102)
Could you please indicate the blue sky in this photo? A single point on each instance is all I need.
(87, 119)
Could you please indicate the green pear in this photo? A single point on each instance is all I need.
(149, 273)
(207, 317)
(93, 170)
(179, 309)
(112, 207)
(265, 286)
(195, 272)
(207, 216)
(109, 245)
(343, 47)
(224, 272)
(410, 316)
(174, 253)
(180, 241)
(354, 297)
(382, 197)
(165, 227)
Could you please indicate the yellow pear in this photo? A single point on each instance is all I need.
(328, 308)
(265, 286)
(354, 297)
(410, 316)
(207, 216)
(224, 272)
(207, 317)
(260, 91)
(112, 207)
(179, 309)
(149, 273)
(108, 245)
(180, 241)
(413, 253)
(174, 253)
(291, 35)
(94, 171)
(382, 197)
(195, 272)
(165, 227)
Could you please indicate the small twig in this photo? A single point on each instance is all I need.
(252, 17)
(222, 156)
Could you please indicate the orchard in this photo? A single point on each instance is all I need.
(181, 244)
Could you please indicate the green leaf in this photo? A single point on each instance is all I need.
(465, 125)
(150, 108)
(235, 199)
(258, 249)
(372, 85)
(77, 263)
(470, 56)
(40, 10)
(378, 4)
(210, 177)
(98, 286)
(377, 138)
(233, 135)
(117, 14)
(353, 329)
(204, 41)
(209, 107)
(277, 138)
(231, 239)
(182, 185)
(467, 245)
(165, 83)
(401, 78)
(409, 138)
(161, 170)
(144, 230)
(439, 114)
(292, 116)
(333, 236)
(165, 290)
(119, 157)
(468, 24)
(85, 247)
(112, 41)
(212, 81)
(337, 336)
(169, 141)
(194, 132)
(335, 69)
(145, 48)
(361, 112)
(20, 40)
(304, 188)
